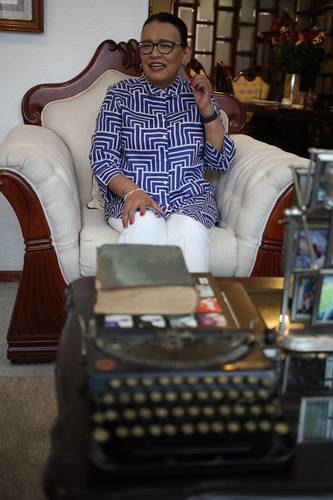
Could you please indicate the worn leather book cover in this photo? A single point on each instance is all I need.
(137, 279)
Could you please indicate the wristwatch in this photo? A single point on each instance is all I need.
(210, 118)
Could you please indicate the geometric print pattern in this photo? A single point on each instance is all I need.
(155, 137)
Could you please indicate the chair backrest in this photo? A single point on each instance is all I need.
(222, 78)
(70, 108)
(248, 85)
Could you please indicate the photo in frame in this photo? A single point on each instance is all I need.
(303, 180)
(311, 243)
(323, 307)
(22, 15)
(304, 295)
(315, 419)
(322, 187)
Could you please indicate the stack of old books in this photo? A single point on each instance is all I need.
(143, 279)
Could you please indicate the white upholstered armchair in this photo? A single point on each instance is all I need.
(45, 175)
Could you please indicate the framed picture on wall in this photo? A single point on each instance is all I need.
(22, 15)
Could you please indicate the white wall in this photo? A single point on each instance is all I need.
(72, 31)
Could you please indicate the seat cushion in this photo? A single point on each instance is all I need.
(95, 232)
(223, 252)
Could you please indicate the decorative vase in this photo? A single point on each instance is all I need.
(291, 87)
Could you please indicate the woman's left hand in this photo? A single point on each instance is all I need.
(202, 91)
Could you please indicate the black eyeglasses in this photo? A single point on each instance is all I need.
(163, 46)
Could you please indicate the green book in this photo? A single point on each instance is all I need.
(143, 279)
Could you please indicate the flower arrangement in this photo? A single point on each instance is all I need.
(298, 51)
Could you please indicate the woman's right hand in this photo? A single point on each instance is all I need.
(138, 201)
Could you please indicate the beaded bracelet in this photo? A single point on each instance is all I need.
(131, 192)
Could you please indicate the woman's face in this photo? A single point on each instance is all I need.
(162, 69)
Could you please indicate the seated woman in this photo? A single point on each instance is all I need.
(155, 137)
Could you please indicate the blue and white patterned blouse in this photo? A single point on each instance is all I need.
(155, 138)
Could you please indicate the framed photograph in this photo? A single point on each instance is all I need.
(303, 180)
(22, 15)
(323, 308)
(315, 419)
(304, 295)
(322, 188)
(311, 242)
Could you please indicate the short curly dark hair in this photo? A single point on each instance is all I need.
(166, 17)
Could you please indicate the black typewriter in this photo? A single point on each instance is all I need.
(181, 401)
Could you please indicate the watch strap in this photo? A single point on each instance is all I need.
(210, 118)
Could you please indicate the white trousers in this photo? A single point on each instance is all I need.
(180, 230)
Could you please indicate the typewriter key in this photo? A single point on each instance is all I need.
(265, 426)
(138, 431)
(101, 435)
(161, 412)
(203, 395)
(177, 380)
(267, 382)
(139, 397)
(203, 427)
(124, 397)
(255, 410)
(132, 382)
(145, 413)
(122, 432)
(147, 382)
(178, 411)
(171, 396)
(186, 395)
(250, 426)
(239, 410)
(217, 427)
(217, 394)
(233, 427)
(115, 383)
(252, 379)
(155, 430)
(164, 380)
(156, 396)
(208, 411)
(263, 394)
(129, 414)
(98, 417)
(233, 394)
(108, 399)
(111, 415)
(208, 380)
(193, 411)
(225, 410)
(281, 428)
(187, 428)
(170, 429)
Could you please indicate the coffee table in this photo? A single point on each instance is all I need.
(67, 474)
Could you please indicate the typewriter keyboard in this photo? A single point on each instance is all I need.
(219, 418)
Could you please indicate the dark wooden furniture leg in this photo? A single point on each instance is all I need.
(38, 314)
